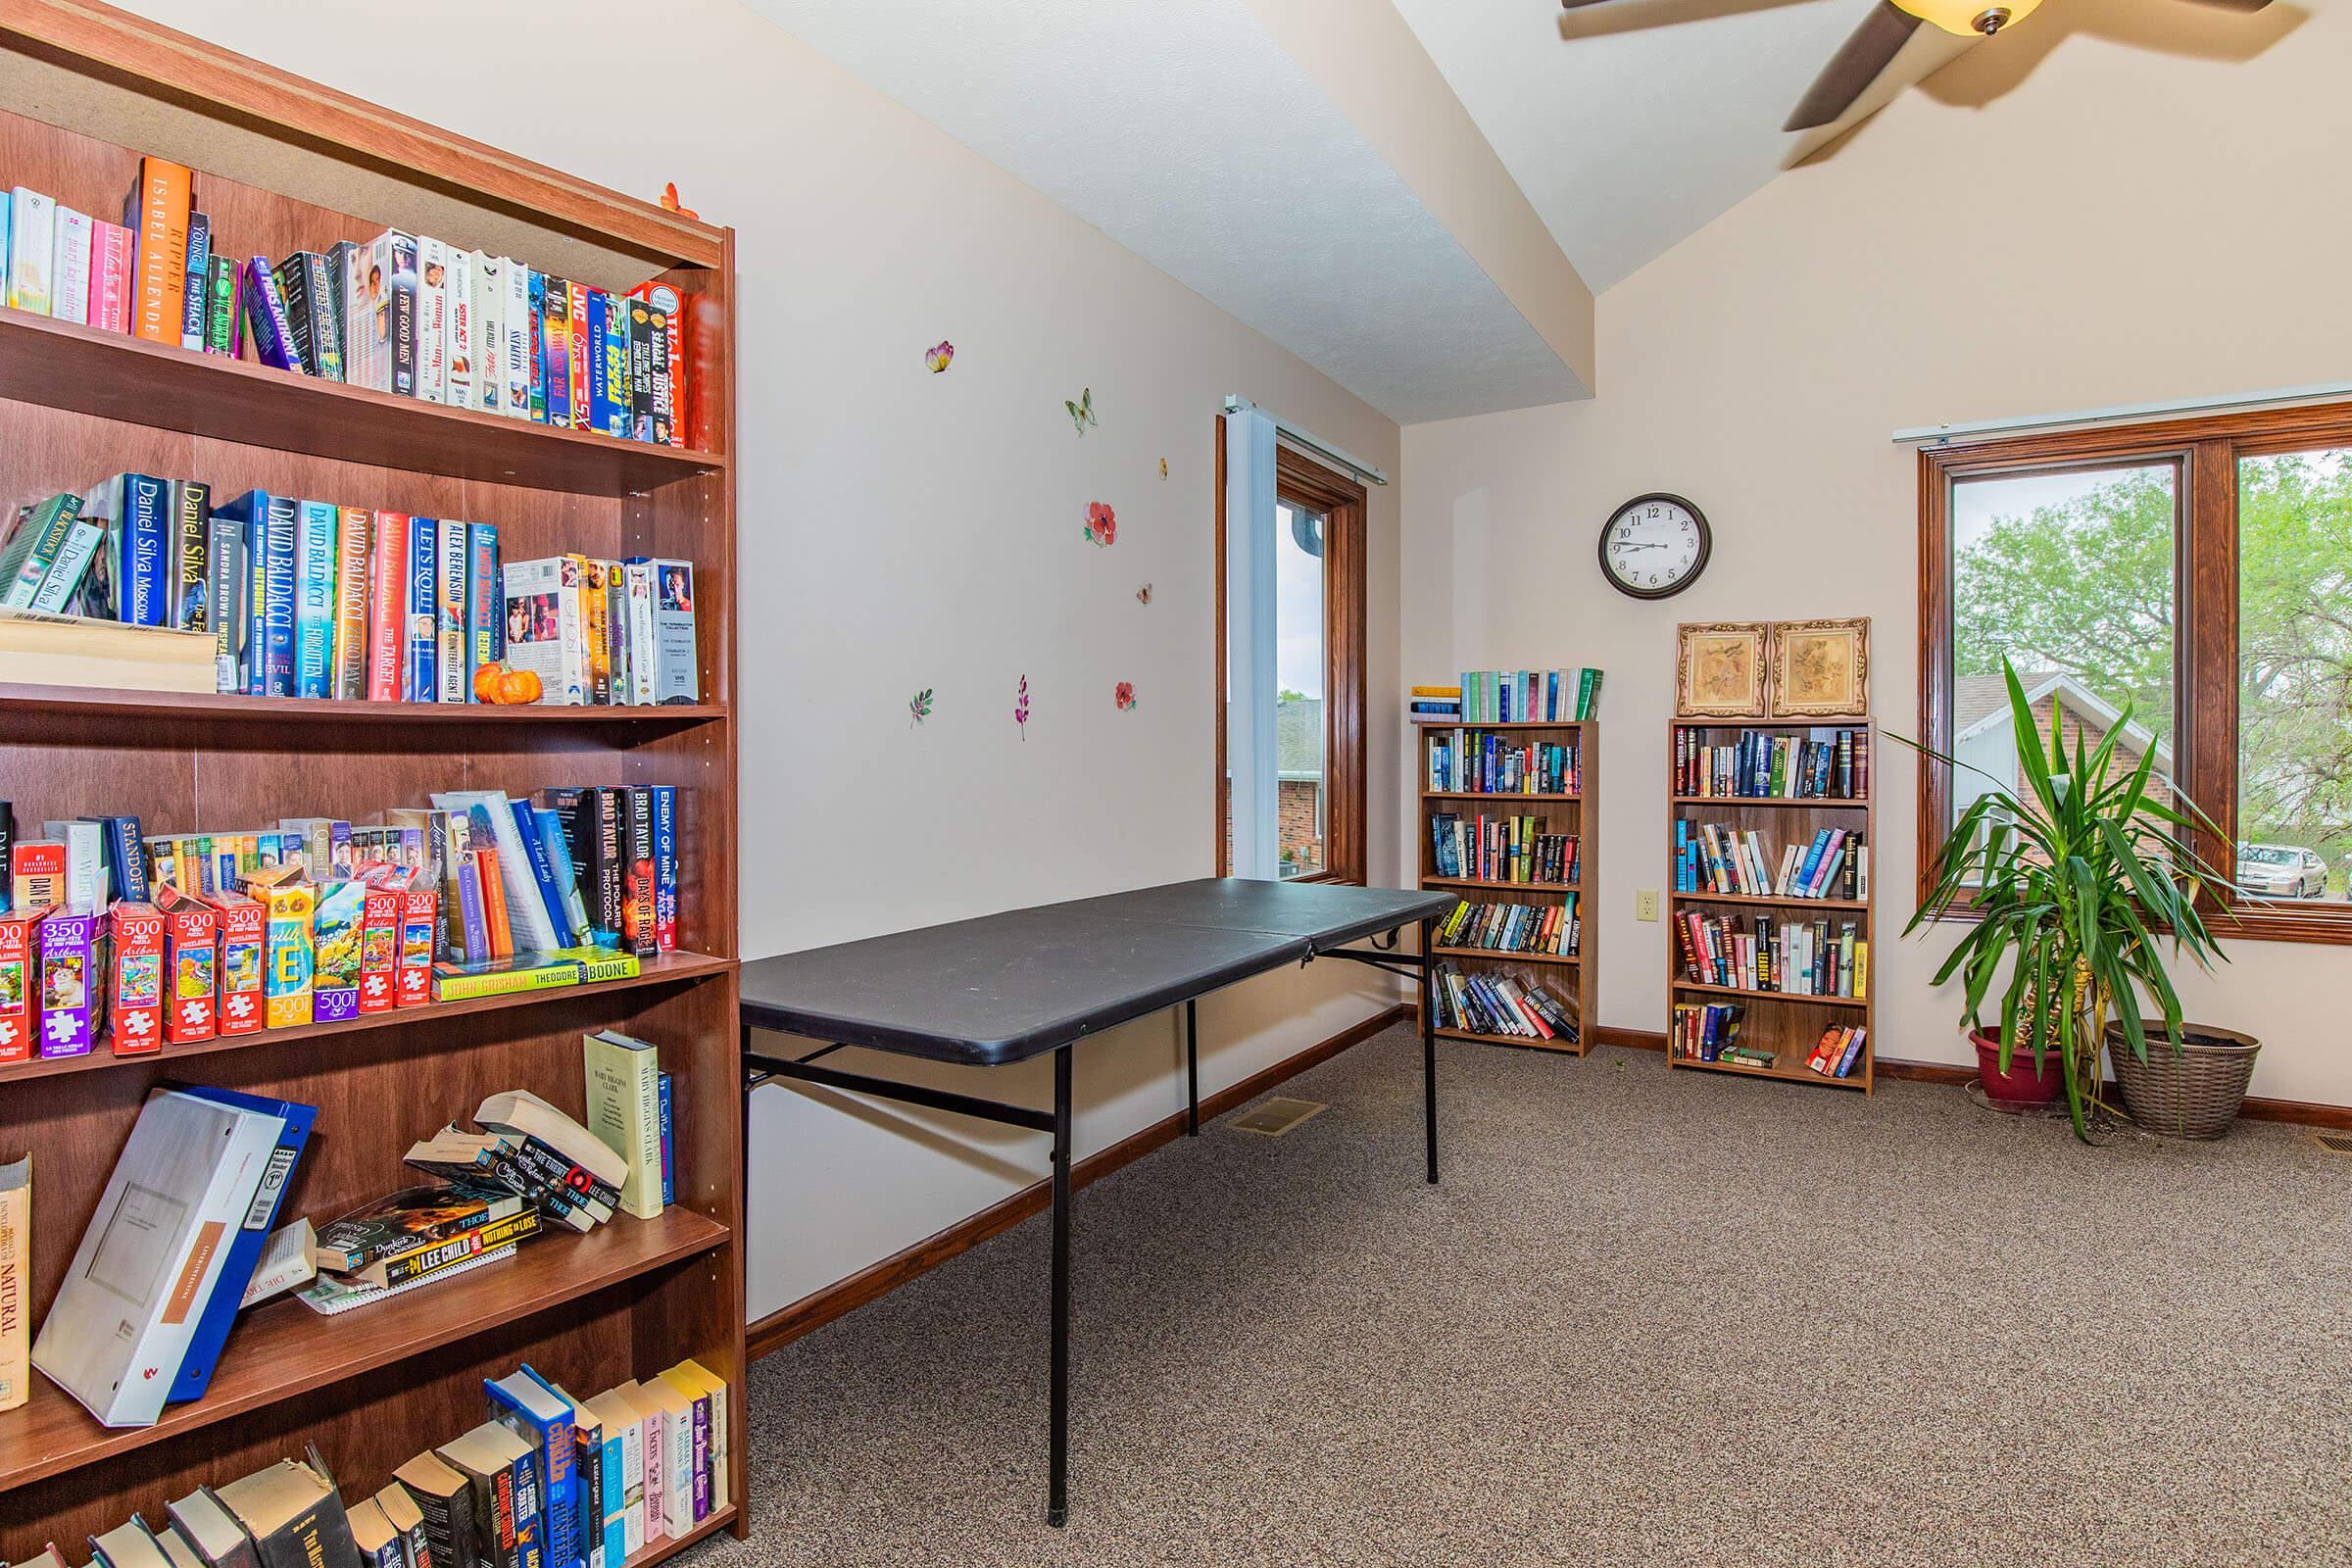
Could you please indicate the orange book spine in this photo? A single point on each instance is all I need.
(493, 904)
(160, 216)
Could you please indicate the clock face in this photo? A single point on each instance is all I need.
(1655, 546)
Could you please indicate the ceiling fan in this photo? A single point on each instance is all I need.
(1873, 46)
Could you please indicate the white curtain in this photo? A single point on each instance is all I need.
(1249, 639)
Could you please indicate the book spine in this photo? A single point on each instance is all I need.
(265, 319)
(486, 616)
(191, 554)
(111, 281)
(324, 321)
(226, 578)
(637, 928)
(388, 588)
(664, 429)
(33, 243)
(451, 611)
(519, 340)
(314, 540)
(669, 1185)
(488, 279)
(219, 306)
(665, 868)
(84, 543)
(554, 351)
(142, 572)
(535, 350)
(641, 370)
(432, 320)
(400, 340)
(419, 636)
(576, 341)
(69, 268)
(275, 644)
(352, 577)
(159, 211)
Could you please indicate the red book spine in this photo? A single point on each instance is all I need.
(387, 592)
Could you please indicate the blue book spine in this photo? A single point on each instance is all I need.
(559, 867)
(534, 849)
(419, 634)
(244, 1249)
(530, 1512)
(315, 528)
(141, 573)
(554, 1449)
(1813, 851)
(670, 1186)
(665, 867)
(128, 861)
(590, 328)
(266, 324)
(615, 1524)
(485, 611)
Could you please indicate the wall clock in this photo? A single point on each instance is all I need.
(1655, 546)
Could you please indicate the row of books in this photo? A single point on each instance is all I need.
(1826, 764)
(1710, 857)
(1510, 696)
(1839, 1050)
(1465, 761)
(1498, 1005)
(401, 312)
(1551, 929)
(548, 1480)
(1710, 1032)
(112, 937)
(311, 599)
(1795, 958)
(1501, 848)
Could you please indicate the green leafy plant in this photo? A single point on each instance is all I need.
(2070, 886)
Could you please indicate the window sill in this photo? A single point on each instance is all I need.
(2329, 925)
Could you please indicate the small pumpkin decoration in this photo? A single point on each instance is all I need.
(508, 688)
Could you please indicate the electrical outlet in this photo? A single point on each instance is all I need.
(1645, 904)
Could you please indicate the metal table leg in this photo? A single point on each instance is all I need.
(1192, 1071)
(1057, 1452)
(1429, 1045)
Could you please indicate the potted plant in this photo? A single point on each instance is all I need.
(2068, 886)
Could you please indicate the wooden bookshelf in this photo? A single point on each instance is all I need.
(284, 165)
(1788, 1026)
(1571, 978)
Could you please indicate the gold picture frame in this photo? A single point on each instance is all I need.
(1718, 670)
(1820, 668)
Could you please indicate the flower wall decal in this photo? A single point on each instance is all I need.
(919, 706)
(1124, 695)
(1102, 523)
(1020, 708)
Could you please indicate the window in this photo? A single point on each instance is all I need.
(1317, 677)
(2190, 580)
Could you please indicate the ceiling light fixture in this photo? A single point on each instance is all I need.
(1966, 18)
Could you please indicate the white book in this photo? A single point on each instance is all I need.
(433, 319)
(639, 631)
(69, 268)
(133, 1298)
(31, 246)
(458, 354)
(526, 911)
(489, 275)
(66, 572)
(89, 889)
(289, 1258)
(519, 348)
(545, 629)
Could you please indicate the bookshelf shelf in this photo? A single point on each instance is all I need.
(230, 709)
(1517, 723)
(1788, 1025)
(666, 968)
(282, 1349)
(1571, 978)
(285, 164)
(107, 376)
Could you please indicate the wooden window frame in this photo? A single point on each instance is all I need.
(1344, 505)
(2207, 450)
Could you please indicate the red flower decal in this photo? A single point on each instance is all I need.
(1102, 523)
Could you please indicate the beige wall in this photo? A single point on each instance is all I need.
(2124, 223)
(903, 530)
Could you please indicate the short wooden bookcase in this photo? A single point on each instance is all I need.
(284, 164)
(1573, 979)
(1788, 1026)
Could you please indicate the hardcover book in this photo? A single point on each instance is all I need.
(191, 512)
(293, 1514)
(387, 597)
(317, 533)
(31, 246)
(453, 545)
(16, 1282)
(353, 526)
(112, 252)
(157, 213)
(420, 637)
(69, 268)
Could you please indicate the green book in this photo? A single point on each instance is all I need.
(34, 547)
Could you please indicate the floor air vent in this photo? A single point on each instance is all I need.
(2334, 1143)
(1273, 1117)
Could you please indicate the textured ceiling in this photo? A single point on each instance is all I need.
(1627, 139)
(1186, 134)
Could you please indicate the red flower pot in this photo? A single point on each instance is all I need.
(2021, 1085)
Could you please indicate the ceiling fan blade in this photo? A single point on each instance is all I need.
(1870, 49)
(2236, 4)
(1570, 5)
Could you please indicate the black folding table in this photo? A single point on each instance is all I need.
(1008, 987)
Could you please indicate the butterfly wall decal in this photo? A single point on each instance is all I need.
(1163, 467)
(1082, 412)
(939, 356)
(1143, 595)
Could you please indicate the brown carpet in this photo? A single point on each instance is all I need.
(1649, 1318)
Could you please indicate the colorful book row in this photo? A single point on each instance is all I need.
(1471, 763)
(1710, 857)
(1826, 764)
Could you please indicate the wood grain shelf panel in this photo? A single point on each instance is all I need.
(1781, 1068)
(1497, 795)
(1764, 902)
(235, 708)
(1801, 804)
(1500, 887)
(62, 364)
(284, 1349)
(663, 969)
(1515, 723)
(1772, 996)
(1564, 1046)
(1504, 956)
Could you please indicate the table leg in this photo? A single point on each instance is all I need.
(1192, 1072)
(1429, 1045)
(1057, 1451)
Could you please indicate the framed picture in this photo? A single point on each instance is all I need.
(1820, 668)
(1719, 671)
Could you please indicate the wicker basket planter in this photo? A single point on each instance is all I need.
(2193, 1095)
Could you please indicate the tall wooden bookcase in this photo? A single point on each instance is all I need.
(1574, 980)
(283, 164)
(1788, 1026)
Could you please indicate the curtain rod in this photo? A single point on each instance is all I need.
(1314, 446)
(2126, 413)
